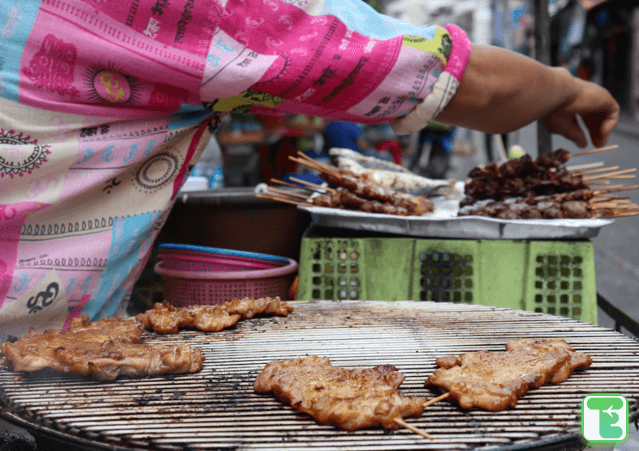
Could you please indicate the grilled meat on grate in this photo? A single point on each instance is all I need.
(166, 319)
(495, 380)
(103, 349)
(349, 399)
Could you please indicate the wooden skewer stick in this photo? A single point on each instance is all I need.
(281, 199)
(608, 206)
(615, 190)
(601, 149)
(311, 184)
(606, 198)
(312, 165)
(595, 171)
(611, 174)
(306, 157)
(599, 182)
(319, 166)
(413, 428)
(599, 200)
(434, 400)
(579, 167)
(317, 188)
(630, 176)
(603, 190)
(623, 215)
(286, 193)
(21, 376)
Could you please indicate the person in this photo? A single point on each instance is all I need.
(345, 135)
(106, 106)
(440, 138)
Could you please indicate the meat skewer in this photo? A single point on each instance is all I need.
(415, 205)
(495, 380)
(545, 209)
(167, 319)
(540, 189)
(102, 349)
(348, 399)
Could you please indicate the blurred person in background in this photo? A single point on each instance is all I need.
(346, 135)
(437, 140)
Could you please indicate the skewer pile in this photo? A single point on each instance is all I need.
(544, 189)
(348, 191)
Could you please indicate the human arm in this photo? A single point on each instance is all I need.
(502, 91)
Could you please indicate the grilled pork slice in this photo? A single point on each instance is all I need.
(166, 319)
(349, 399)
(114, 358)
(495, 380)
(103, 349)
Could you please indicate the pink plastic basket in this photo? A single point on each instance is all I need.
(196, 277)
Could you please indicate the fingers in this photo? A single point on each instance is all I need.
(600, 126)
(600, 112)
(566, 124)
(597, 108)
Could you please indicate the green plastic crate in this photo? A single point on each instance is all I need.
(556, 277)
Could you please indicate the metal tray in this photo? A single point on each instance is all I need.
(443, 222)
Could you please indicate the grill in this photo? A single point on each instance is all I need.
(217, 408)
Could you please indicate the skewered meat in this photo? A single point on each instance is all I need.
(342, 198)
(351, 192)
(526, 210)
(366, 189)
(523, 177)
(495, 380)
(166, 319)
(349, 399)
(103, 349)
(519, 167)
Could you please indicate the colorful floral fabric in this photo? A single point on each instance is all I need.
(106, 105)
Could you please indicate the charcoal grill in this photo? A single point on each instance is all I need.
(217, 408)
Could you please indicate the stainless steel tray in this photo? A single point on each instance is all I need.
(444, 223)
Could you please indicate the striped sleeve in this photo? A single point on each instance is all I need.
(338, 59)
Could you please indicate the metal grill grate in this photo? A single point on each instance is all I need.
(217, 408)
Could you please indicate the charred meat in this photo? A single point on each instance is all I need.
(349, 399)
(495, 380)
(102, 349)
(167, 319)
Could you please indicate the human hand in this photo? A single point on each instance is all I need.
(596, 106)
